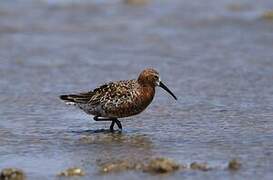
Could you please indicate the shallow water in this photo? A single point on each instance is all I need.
(216, 59)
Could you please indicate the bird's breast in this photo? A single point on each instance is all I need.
(141, 99)
(146, 96)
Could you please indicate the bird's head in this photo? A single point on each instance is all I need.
(150, 77)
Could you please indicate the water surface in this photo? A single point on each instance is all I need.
(217, 61)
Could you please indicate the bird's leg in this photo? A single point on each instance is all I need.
(114, 120)
(112, 126)
(118, 123)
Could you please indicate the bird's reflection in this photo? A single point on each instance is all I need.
(100, 146)
(107, 137)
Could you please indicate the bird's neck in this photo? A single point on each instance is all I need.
(148, 93)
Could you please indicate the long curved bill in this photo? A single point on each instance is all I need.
(167, 89)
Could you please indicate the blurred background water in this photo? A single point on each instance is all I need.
(216, 56)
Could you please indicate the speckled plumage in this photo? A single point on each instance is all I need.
(115, 99)
(118, 99)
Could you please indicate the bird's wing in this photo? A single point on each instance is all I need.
(108, 93)
(112, 93)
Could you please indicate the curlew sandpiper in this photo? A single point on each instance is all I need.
(119, 99)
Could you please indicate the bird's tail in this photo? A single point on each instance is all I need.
(68, 99)
(75, 98)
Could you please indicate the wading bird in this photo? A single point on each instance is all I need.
(119, 99)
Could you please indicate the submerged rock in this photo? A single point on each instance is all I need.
(72, 172)
(157, 165)
(200, 166)
(12, 174)
(161, 165)
(234, 165)
(119, 165)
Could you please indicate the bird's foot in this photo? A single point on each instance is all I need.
(114, 121)
(113, 124)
